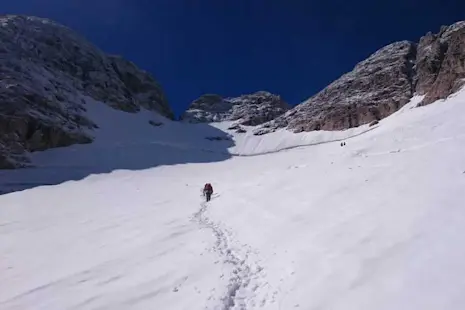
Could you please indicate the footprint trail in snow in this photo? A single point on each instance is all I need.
(247, 288)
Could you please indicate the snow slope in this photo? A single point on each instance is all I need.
(377, 224)
(127, 141)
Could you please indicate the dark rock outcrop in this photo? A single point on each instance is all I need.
(47, 72)
(249, 110)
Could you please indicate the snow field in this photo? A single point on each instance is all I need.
(377, 224)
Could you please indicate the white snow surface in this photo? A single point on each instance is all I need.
(376, 224)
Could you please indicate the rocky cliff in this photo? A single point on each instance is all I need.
(381, 84)
(249, 110)
(440, 63)
(45, 72)
(376, 87)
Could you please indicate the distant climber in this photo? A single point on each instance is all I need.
(208, 191)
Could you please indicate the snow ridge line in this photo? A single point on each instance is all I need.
(242, 287)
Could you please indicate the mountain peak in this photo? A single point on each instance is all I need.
(381, 84)
(250, 109)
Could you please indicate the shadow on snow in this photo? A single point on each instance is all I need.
(174, 144)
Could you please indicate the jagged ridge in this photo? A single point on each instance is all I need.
(376, 87)
(383, 83)
(249, 110)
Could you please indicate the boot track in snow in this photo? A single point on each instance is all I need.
(244, 282)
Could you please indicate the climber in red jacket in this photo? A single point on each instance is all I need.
(208, 191)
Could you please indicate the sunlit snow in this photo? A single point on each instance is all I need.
(376, 224)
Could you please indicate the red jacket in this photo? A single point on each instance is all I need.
(208, 188)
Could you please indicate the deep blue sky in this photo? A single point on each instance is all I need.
(233, 47)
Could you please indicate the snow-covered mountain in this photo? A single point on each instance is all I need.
(49, 75)
(46, 71)
(249, 110)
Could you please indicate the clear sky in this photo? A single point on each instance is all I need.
(293, 48)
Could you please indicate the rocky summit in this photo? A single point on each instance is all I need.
(46, 73)
(248, 110)
(381, 84)
(376, 87)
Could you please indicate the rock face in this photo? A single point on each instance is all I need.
(381, 84)
(440, 63)
(249, 110)
(46, 72)
(377, 87)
